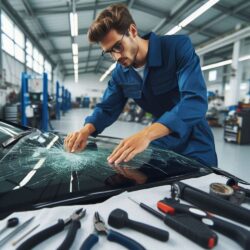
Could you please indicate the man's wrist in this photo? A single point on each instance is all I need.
(155, 131)
(90, 128)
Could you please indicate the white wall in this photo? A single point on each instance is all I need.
(88, 85)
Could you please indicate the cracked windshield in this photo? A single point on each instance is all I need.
(40, 158)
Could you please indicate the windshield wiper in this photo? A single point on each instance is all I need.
(17, 137)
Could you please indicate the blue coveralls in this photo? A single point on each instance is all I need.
(173, 91)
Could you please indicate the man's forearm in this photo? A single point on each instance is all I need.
(90, 128)
(155, 131)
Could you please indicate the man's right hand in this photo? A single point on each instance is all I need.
(76, 141)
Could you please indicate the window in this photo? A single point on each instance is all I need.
(48, 69)
(7, 45)
(13, 42)
(36, 66)
(29, 47)
(19, 37)
(40, 59)
(29, 61)
(7, 25)
(212, 75)
(19, 53)
(35, 53)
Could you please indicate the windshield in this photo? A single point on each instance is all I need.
(38, 169)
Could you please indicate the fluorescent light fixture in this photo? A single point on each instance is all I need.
(216, 65)
(222, 63)
(174, 30)
(198, 12)
(75, 49)
(75, 66)
(73, 23)
(244, 58)
(75, 59)
(192, 17)
(76, 78)
(108, 71)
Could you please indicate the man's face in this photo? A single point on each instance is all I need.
(123, 48)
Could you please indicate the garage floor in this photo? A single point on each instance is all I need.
(233, 158)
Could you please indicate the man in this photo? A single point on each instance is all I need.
(163, 76)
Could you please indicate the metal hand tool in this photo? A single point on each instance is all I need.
(231, 230)
(100, 228)
(23, 236)
(12, 222)
(56, 228)
(15, 231)
(187, 226)
(118, 218)
(210, 203)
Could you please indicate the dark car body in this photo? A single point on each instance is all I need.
(36, 171)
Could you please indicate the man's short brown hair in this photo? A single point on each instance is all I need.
(115, 17)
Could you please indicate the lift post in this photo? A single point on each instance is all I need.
(25, 100)
(58, 101)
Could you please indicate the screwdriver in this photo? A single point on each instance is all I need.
(118, 218)
(12, 222)
(15, 231)
(186, 225)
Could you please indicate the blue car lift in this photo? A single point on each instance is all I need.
(66, 100)
(25, 101)
(58, 101)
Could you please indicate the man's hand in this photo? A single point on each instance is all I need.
(135, 144)
(76, 141)
(129, 147)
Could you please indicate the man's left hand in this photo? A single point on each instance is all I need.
(129, 148)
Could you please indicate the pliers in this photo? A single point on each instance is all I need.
(73, 220)
(112, 235)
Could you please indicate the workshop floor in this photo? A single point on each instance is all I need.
(233, 158)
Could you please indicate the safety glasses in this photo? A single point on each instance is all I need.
(116, 48)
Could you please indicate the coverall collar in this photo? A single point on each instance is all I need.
(154, 56)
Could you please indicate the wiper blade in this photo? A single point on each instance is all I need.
(17, 137)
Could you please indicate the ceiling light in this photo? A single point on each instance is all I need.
(75, 59)
(173, 30)
(108, 71)
(244, 58)
(73, 23)
(192, 17)
(222, 63)
(198, 12)
(216, 65)
(75, 66)
(76, 77)
(75, 49)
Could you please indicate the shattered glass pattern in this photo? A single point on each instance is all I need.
(39, 166)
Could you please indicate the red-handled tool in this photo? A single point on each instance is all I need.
(186, 225)
(231, 230)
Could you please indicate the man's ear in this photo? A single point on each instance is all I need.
(133, 30)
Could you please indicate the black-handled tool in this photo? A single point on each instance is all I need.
(70, 237)
(12, 222)
(187, 226)
(234, 232)
(112, 235)
(210, 203)
(118, 218)
(52, 230)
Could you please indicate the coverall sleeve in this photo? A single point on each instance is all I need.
(192, 106)
(111, 106)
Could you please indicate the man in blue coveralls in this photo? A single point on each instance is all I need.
(163, 76)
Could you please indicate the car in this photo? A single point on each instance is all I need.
(36, 171)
